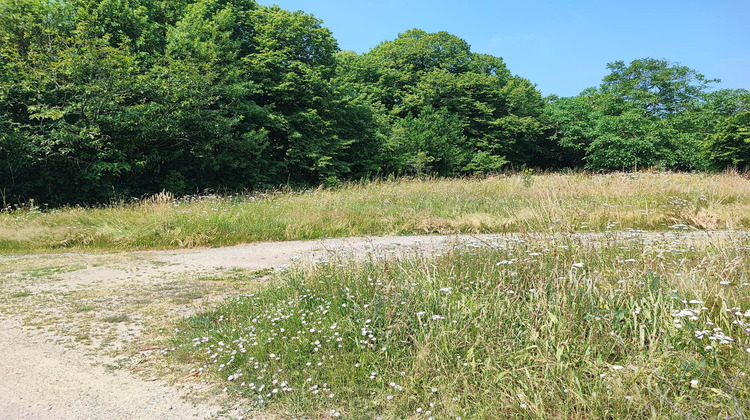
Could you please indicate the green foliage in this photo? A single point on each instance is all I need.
(419, 74)
(133, 97)
(730, 145)
(103, 100)
(429, 143)
(651, 113)
(657, 87)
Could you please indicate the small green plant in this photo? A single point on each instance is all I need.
(50, 271)
(528, 177)
(116, 318)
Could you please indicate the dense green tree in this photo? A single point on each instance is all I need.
(657, 87)
(117, 98)
(729, 146)
(570, 127)
(292, 63)
(432, 142)
(419, 76)
(644, 114)
(723, 121)
(126, 97)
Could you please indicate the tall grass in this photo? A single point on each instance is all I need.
(553, 202)
(537, 328)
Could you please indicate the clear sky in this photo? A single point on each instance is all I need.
(561, 46)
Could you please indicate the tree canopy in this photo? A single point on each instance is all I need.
(103, 100)
(650, 113)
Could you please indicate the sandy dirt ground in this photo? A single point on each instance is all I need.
(81, 334)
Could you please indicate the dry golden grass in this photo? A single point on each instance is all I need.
(542, 203)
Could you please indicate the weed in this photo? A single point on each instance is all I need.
(116, 318)
(49, 271)
(527, 177)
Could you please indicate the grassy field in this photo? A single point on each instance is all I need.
(620, 320)
(527, 328)
(518, 203)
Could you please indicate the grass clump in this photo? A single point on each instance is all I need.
(20, 294)
(544, 328)
(116, 318)
(552, 202)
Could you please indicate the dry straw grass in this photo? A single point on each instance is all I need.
(547, 202)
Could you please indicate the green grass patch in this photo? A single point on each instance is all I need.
(552, 202)
(539, 328)
(50, 271)
(239, 275)
(20, 294)
(116, 318)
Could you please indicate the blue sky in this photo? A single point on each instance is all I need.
(561, 46)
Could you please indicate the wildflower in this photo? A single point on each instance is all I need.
(694, 383)
(577, 265)
(617, 367)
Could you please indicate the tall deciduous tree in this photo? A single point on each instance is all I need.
(420, 76)
(643, 114)
(729, 145)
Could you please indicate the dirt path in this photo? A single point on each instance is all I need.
(80, 334)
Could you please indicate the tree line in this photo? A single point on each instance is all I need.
(101, 100)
